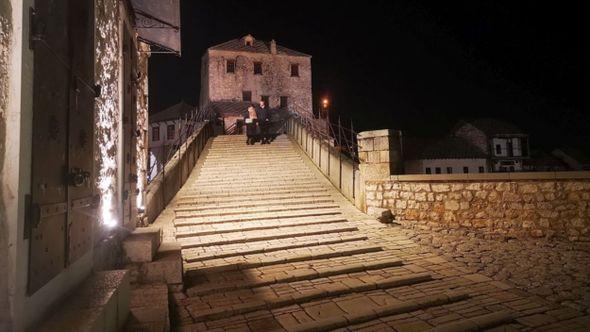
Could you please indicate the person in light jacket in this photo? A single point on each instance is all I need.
(252, 130)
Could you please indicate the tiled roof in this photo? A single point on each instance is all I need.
(172, 113)
(258, 46)
(446, 148)
(231, 108)
(493, 127)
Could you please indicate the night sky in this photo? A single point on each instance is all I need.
(418, 66)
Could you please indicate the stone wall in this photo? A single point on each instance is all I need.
(165, 185)
(5, 36)
(537, 205)
(275, 81)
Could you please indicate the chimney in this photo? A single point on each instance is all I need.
(273, 47)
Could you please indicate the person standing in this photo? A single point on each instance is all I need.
(251, 120)
(263, 114)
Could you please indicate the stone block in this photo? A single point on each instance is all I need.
(100, 303)
(381, 143)
(166, 267)
(365, 145)
(141, 245)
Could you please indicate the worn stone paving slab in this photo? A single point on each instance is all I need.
(318, 268)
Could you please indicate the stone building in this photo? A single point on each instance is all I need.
(73, 141)
(165, 130)
(505, 145)
(247, 70)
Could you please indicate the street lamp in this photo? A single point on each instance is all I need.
(325, 103)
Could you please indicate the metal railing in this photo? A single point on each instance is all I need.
(339, 137)
(192, 121)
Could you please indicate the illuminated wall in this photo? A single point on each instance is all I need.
(107, 109)
(142, 125)
(5, 31)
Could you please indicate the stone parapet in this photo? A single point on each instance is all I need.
(380, 153)
(551, 205)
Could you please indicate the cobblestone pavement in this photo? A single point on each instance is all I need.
(270, 245)
(555, 269)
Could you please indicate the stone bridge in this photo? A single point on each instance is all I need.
(268, 244)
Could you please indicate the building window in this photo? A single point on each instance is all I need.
(449, 170)
(428, 170)
(155, 134)
(257, 68)
(294, 70)
(481, 169)
(437, 170)
(465, 169)
(498, 149)
(247, 95)
(170, 132)
(284, 101)
(230, 66)
(265, 99)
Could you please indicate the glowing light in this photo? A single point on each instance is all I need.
(325, 102)
(107, 108)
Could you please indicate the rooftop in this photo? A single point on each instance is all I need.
(250, 44)
(445, 148)
(172, 113)
(492, 127)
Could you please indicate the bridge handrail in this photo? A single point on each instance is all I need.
(337, 135)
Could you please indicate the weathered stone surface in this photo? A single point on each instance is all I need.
(525, 208)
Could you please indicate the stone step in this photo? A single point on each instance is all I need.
(211, 229)
(166, 267)
(100, 303)
(313, 291)
(261, 260)
(251, 236)
(188, 212)
(478, 323)
(255, 172)
(250, 182)
(221, 192)
(148, 309)
(291, 272)
(262, 196)
(266, 155)
(358, 314)
(286, 183)
(268, 202)
(256, 216)
(142, 244)
(310, 242)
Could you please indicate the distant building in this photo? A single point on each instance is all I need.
(246, 70)
(164, 131)
(505, 145)
(445, 156)
(541, 161)
(574, 158)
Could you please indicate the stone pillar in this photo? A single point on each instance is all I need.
(380, 153)
(379, 156)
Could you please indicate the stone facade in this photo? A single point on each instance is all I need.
(534, 208)
(5, 35)
(275, 81)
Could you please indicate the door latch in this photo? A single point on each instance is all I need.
(78, 177)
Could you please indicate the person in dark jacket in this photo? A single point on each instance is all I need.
(263, 114)
(251, 120)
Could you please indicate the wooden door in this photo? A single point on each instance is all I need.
(59, 215)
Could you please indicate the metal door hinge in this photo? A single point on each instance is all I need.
(32, 216)
(36, 28)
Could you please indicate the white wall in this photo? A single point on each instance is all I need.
(503, 143)
(419, 166)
